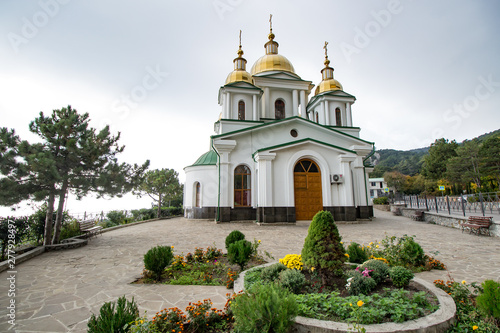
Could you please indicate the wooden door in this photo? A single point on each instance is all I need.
(307, 188)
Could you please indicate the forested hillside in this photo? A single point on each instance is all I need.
(471, 166)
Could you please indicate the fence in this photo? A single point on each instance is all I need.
(482, 203)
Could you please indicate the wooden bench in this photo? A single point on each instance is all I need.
(418, 215)
(89, 228)
(478, 225)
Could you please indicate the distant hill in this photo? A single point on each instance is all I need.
(408, 162)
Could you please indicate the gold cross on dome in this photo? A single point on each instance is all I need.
(240, 37)
(326, 49)
(271, 22)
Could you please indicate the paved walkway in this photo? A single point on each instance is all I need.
(57, 291)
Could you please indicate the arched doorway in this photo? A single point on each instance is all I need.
(307, 188)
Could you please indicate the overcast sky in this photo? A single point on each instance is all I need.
(420, 70)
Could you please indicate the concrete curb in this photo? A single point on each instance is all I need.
(438, 321)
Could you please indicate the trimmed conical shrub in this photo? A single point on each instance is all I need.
(322, 248)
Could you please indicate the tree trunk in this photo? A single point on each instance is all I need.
(159, 206)
(59, 216)
(47, 238)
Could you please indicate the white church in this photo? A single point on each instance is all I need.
(278, 154)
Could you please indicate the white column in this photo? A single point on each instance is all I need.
(224, 148)
(322, 113)
(254, 107)
(224, 106)
(303, 103)
(265, 104)
(229, 108)
(345, 165)
(348, 114)
(327, 114)
(265, 181)
(359, 182)
(295, 102)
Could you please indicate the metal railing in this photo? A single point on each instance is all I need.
(481, 203)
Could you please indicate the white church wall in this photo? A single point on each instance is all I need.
(286, 96)
(207, 176)
(235, 99)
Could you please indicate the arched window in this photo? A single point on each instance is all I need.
(338, 117)
(242, 186)
(241, 110)
(317, 117)
(279, 109)
(197, 195)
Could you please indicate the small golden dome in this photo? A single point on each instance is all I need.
(272, 62)
(239, 75)
(328, 85)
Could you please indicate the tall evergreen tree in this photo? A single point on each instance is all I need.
(441, 150)
(71, 157)
(490, 157)
(464, 168)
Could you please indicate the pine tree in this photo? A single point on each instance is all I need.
(71, 157)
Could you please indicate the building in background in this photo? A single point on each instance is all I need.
(277, 154)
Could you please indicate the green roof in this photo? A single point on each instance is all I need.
(209, 158)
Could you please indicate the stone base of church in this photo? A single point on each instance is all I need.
(275, 214)
(342, 213)
(200, 213)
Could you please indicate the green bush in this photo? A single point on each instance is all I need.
(239, 253)
(322, 247)
(234, 236)
(116, 217)
(400, 276)
(12, 229)
(357, 284)
(292, 280)
(264, 308)
(356, 253)
(403, 251)
(157, 259)
(70, 229)
(171, 211)
(381, 201)
(143, 214)
(114, 319)
(380, 269)
(488, 300)
(271, 273)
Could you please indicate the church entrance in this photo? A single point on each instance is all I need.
(307, 188)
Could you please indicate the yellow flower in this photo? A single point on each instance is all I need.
(464, 282)
(346, 254)
(312, 269)
(360, 303)
(371, 243)
(341, 242)
(474, 327)
(377, 246)
(172, 246)
(350, 304)
(259, 240)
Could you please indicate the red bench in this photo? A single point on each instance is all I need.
(478, 225)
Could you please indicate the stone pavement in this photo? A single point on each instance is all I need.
(57, 291)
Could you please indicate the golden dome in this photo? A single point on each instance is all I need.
(272, 62)
(328, 85)
(239, 75)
